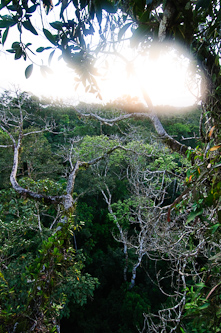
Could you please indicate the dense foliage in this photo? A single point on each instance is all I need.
(131, 211)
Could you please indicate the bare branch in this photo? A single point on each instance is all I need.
(105, 121)
(37, 132)
(147, 114)
(6, 146)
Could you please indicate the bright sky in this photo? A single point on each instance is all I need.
(165, 76)
(60, 84)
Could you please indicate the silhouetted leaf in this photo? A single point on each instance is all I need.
(4, 3)
(123, 30)
(98, 12)
(10, 51)
(64, 4)
(57, 25)
(28, 26)
(19, 27)
(84, 3)
(31, 9)
(16, 45)
(6, 23)
(40, 49)
(18, 53)
(28, 71)
(13, 8)
(49, 36)
(5, 34)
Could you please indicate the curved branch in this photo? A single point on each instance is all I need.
(163, 135)
(66, 200)
(166, 138)
(6, 146)
(37, 132)
(26, 192)
(105, 121)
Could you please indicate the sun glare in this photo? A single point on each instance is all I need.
(164, 72)
(57, 85)
(167, 76)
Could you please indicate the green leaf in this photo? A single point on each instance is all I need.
(98, 12)
(4, 37)
(40, 49)
(12, 8)
(10, 51)
(16, 45)
(28, 71)
(214, 228)
(145, 16)
(75, 2)
(123, 30)
(7, 23)
(19, 27)
(57, 25)
(204, 306)
(56, 251)
(4, 3)
(49, 36)
(31, 9)
(28, 26)
(193, 215)
(189, 306)
(200, 285)
(18, 53)
(84, 3)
